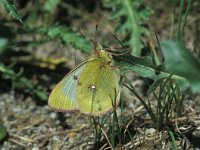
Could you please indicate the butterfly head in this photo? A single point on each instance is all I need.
(101, 53)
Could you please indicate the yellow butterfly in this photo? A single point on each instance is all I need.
(92, 87)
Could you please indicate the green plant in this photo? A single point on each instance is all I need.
(9, 46)
(11, 8)
(3, 132)
(7, 68)
(180, 28)
(168, 98)
(130, 15)
(180, 61)
(110, 126)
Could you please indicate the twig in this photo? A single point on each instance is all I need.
(21, 138)
(107, 138)
(58, 133)
(16, 142)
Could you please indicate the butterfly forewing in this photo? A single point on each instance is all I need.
(63, 96)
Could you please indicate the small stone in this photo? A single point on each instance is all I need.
(35, 148)
(53, 115)
(150, 131)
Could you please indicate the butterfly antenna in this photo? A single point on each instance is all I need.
(95, 51)
(118, 53)
(116, 38)
(75, 60)
(95, 36)
(159, 46)
(86, 37)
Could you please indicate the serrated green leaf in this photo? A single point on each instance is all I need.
(67, 36)
(3, 132)
(133, 16)
(11, 8)
(22, 82)
(181, 62)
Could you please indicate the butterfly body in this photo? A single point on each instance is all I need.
(92, 87)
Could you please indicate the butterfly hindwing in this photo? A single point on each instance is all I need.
(97, 88)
